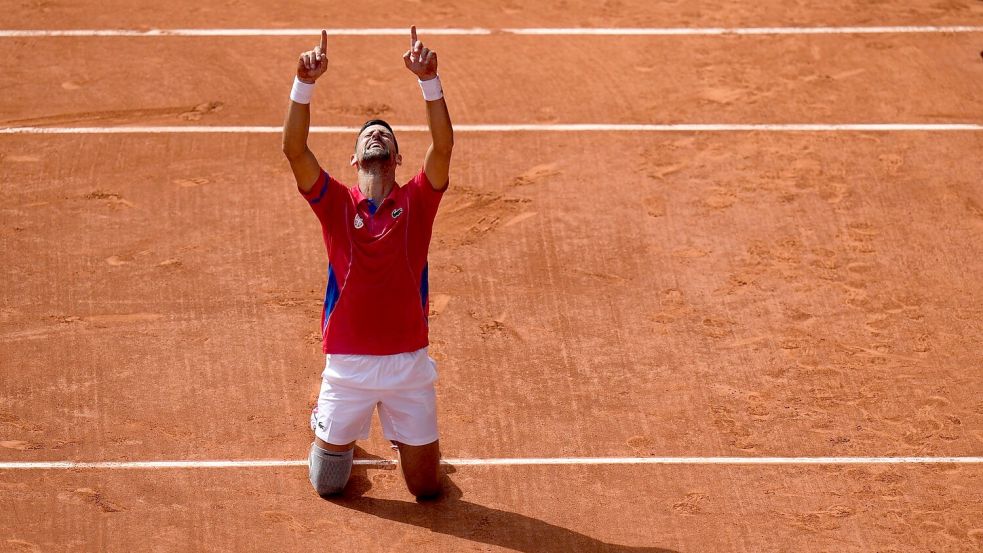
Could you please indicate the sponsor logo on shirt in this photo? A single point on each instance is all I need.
(359, 223)
(397, 212)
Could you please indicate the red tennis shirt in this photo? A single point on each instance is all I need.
(376, 302)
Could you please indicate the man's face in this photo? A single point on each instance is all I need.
(375, 145)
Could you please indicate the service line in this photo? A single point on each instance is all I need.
(262, 463)
(494, 128)
(541, 31)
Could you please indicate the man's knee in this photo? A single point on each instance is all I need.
(424, 484)
(421, 469)
(425, 490)
(329, 470)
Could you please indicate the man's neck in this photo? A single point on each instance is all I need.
(376, 184)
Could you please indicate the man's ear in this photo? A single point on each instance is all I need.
(399, 159)
(354, 161)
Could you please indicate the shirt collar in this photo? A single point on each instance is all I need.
(361, 199)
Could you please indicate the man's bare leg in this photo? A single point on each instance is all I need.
(331, 447)
(421, 468)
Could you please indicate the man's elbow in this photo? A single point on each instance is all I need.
(292, 151)
(444, 147)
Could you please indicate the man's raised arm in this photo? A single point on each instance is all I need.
(311, 65)
(423, 63)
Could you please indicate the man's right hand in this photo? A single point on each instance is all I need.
(313, 63)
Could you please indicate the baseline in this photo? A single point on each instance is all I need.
(570, 127)
(76, 465)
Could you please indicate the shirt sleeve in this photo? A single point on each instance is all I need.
(424, 196)
(325, 196)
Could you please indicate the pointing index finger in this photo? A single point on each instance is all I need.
(324, 41)
(412, 36)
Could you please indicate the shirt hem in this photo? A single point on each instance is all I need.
(338, 350)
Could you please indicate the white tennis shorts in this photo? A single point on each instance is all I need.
(401, 385)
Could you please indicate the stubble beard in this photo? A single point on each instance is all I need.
(376, 157)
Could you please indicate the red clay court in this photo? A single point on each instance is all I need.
(740, 311)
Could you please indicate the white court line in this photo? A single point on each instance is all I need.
(78, 465)
(541, 31)
(10, 33)
(688, 31)
(574, 127)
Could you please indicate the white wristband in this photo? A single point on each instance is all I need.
(301, 92)
(431, 89)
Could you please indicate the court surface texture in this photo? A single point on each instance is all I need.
(707, 277)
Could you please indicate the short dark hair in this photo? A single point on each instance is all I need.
(371, 122)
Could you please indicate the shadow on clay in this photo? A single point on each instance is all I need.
(451, 515)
